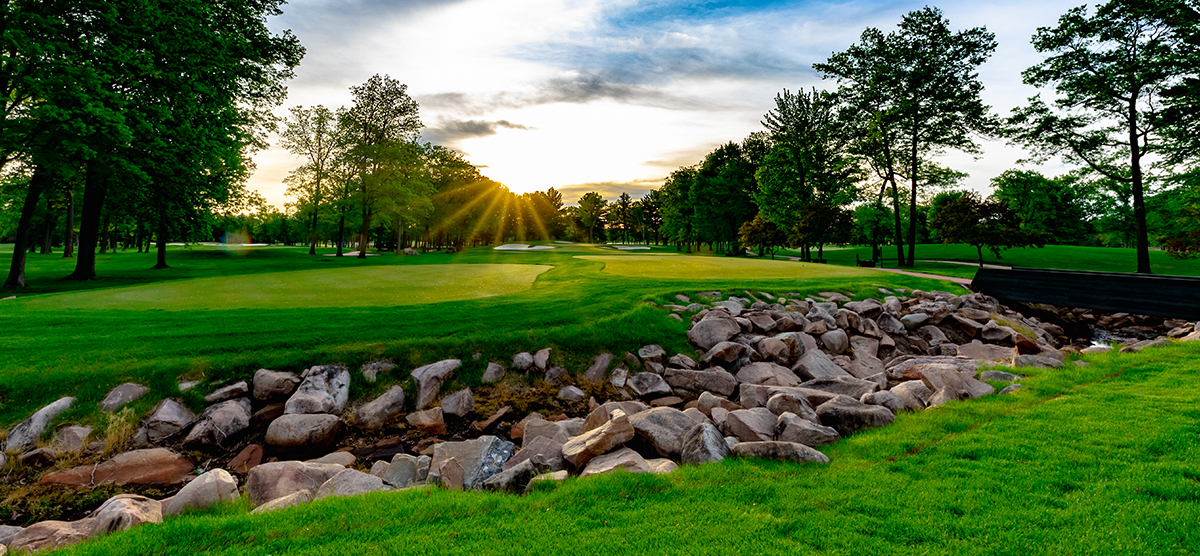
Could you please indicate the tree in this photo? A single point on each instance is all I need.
(620, 213)
(591, 211)
(922, 82)
(823, 222)
(1055, 208)
(961, 217)
(651, 214)
(762, 234)
(311, 134)
(1117, 74)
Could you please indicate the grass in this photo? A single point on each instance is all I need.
(717, 268)
(1053, 469)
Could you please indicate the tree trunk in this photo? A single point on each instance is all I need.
(365, 238)
(48, 226)
(912, 205)
(341, 231)
(161, 240)
(69, 236)
(399, 234)
(16, 272)
(94, 189)
(979, 249)
(312, 233)
(1139, 204)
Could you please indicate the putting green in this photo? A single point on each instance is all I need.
(376, 286)
(707, 268)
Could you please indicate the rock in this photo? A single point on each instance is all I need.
(277, 385)
(429, 379)
(219, 423)
(459, 404)
(913, 394)
(869, 308)
(429, 421)
(653, 353)
(166, 420)
(324, 389)
(940, 397)
(757, 395)
(122, 395)
(707, 402)
(479, 458)
(541, 359)
(1010, 389)
(549, 449)
(864, 367)
(274, 480)
(580, 450)
(624, 458)
(907, 367)
(987, 352)
(8, 533)
(816, 364)
(303, 431)
(959, 385)
(493, 374)
(604, 413)
(1036, 362)
(767, 373)
(701, 444)
(515, 479)
(681, 361)
(541, 428)
(661, 466)
(599, 368)
(522, 361)
(751, 425)
(250, 457)
(38, 457)
(619, 376)
(890, 324)
(1103, 349)
(998, 376)
(70, 440)
(647, 384)
(966, 325)
(228, 392)
(662, 428)
(793, 428)
(209, 488)
(844, 385)
(24, 435)
(696, 415)
(666, 401)
(785, 451)
(555, 375)
(914, 320)
(293, 499)
(885, 399)
(378, 412)
(712, 331)
(786, 402)
(774, 349)
(553, 476)
(709, 380)
(836, 341)
(723, 353)
(49, 535)
(349, 482)
(344, 459)
(401, 472)
(571, 394)
(848, 415)
(370, 371)
(152, 467)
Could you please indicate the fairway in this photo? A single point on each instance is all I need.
(711, 268)
(377, 286)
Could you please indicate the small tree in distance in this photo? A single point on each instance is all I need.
(763, 235)
(962, 217)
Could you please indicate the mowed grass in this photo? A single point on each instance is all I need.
(1098, 460)
(711, 268)
(382, 286)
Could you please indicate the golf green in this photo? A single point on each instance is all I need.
(708, 268)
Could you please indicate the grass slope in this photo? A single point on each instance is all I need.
(1056, 468)
(717, 268)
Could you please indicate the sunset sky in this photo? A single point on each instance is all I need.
(611, 96)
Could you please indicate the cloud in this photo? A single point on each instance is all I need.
(450, 132)
(608, 189)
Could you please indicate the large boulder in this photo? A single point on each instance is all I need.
(604, 413)
(600, 440)
(204, 491)
(849, 415)
(122, 395)
(275, 385)
(349, 482)
(429, 379)
(624, 458)
(323, 389)
(378, 412)
(703, 443)
(790, 402)
(786, 451)
(229, 392)
(401, 472)
(793, 428)
(480, 458)
(220, 423)
(712, 331)
(886, 399)
(274, 480)
(459, 404)
(844, 385)
(709, 380)
(166, 420)
(49, 535)
(293, 499)
(124, 511)
(836, 341)
(757, 395)
(985, 352)
(662, 429)
(907, 367)
(599, 368)
(647, 384)
(764, 372)
(430, 421)
(151, 467)
(25, 435)
(303, 432)
(549, 449)
(515, 479)
(958, 385)
(913, 394)
(815, 364)
(751, 425)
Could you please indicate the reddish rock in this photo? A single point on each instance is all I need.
(250, 457)
(452, 475)
(155, 466)
(429, 421)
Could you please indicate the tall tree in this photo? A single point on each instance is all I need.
(962, 217)
(1114, 71)
(592, 208)
(924, 77)
(311, 134)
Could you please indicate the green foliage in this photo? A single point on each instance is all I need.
(763, 235)
(1055, 208)
(962, 217)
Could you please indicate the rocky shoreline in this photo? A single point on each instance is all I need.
(772, 376)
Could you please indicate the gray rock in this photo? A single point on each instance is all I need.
(7, 532)
(604, 413)
(793, 428)
(123, 511)
(228, 392)
(757, 395)
(785, 451)
(723, 353)
(541, 428)
(401, 472)
(914, 394)
(293, 499)
(681, 361)
(648, 384)
(662, 428)
(708, 380)
(815, 364)
(323, 389)
(24, 435)
(787, 402)
(1010, 389)
(653, 353)
(459, 403)
(274, 480)
(616, 432)
(516, 479)
(890, 324)
(985, 352)
(712, 331)
(865, 367)
(848, 415)
(429, 379)
(844, 385)
(51, 534)
(907, 367)
(571, 394)
(885, 399)
(751, 425)
(619, 377)
(480, 458)
(555, 375)
(958, 385)
(349, 482)
(344, 459)
(701, 444)
(430, 421)
(277, 385)
(914, 320)
(767, 373)
(599, 368)
(70, 440)
(209, 488)
(773, 349)
(549, 449)
(624, 458)
(869, 308)
(836, 341)
(304, 431)
(998, 376)
(494, 373)
(122, 395)
(541, 359)
(378, 412)
(522, 361)
(219, 423)
(370, 371)
(798, 343)
(1036, 362)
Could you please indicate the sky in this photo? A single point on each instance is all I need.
(612, 96)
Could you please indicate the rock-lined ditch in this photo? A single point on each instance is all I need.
(772, 377)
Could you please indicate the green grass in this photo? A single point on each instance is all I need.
(1097, 460)
(718, 268)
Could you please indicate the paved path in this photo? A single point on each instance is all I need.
(976, 265)
(964, 282)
